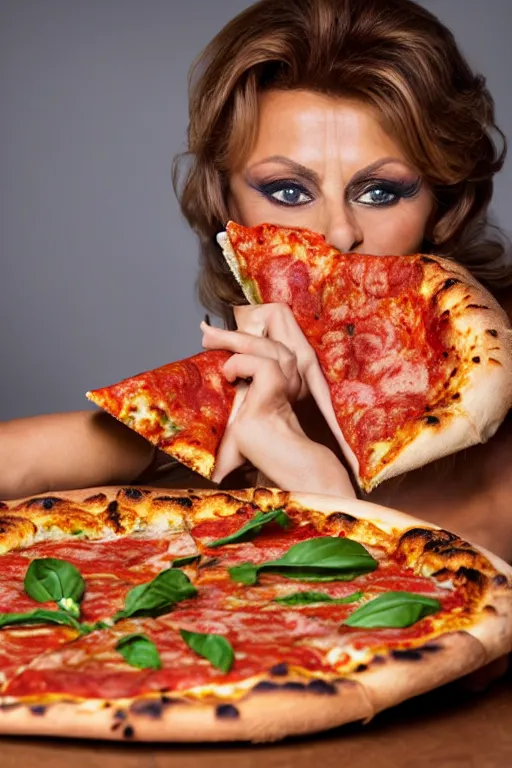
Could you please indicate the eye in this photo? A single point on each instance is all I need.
(286, 193)
(378, 196)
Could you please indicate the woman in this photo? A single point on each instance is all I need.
(355, 118)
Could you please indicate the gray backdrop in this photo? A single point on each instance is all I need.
(97, 268)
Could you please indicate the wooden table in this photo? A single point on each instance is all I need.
(443, 729)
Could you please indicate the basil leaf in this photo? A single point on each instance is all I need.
(326, 558)
(247, 573)
(393, 610)
(51, 579)
(39, 616)
(307, 598)
(157, 596)
(253, 527)
(215, 648)
(181, 561)
(139, 651)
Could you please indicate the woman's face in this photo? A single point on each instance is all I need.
(327, 164)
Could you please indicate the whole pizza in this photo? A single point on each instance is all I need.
(141, 614)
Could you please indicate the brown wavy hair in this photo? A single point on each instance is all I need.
(391, 54)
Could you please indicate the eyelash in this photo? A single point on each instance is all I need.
(398, 189)
(270, 188)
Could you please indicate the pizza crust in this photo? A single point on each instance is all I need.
(260, 717)
(414, 672)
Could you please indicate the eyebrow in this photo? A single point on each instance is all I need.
(301, 170)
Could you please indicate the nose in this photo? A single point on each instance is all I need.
(342, 229)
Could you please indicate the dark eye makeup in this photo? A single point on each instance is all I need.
(383, 192)
(285, 192)
(375, 192)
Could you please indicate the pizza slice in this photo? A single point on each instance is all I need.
(182, 408)
(416, 354)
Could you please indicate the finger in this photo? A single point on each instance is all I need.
(277, 322)
(268, 382)
(245, 344)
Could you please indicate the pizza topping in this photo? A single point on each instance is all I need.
(215, 648)
(393, 610)
(180, 562)
(326, 558)
(51, 579)
(158, 595)
(39, 616)
(306, 598)
(253, 527)
(139, 651)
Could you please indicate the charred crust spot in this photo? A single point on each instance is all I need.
(490, 609)
(265, 685)
(444, 354)
(115, 726)
(476, 306)
(500, 580)
(166, 700)
(38, 709)
(120, 714)
(430, 539)
(448, 283)
(98, 498)
(492, 332)
(493, 360)
(442, 574)
(454, 373)
(361, 668)
(431, 648)
(293, 685)
(152, 708)
(113, 516)
(350, 329)
(227, 712)
(406, 654)
(446, 313)
(471, 575)
(48, 502)
(341, 517)
(432, 420)
(183, 501)
(8, 707)
(456, 396)
(321, 687)
(133, 493)
(129, 732)
(278, 670)
(475, 359)
(3, 506)
(427, 260)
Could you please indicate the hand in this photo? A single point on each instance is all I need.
(265, 430)
(277, 323)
